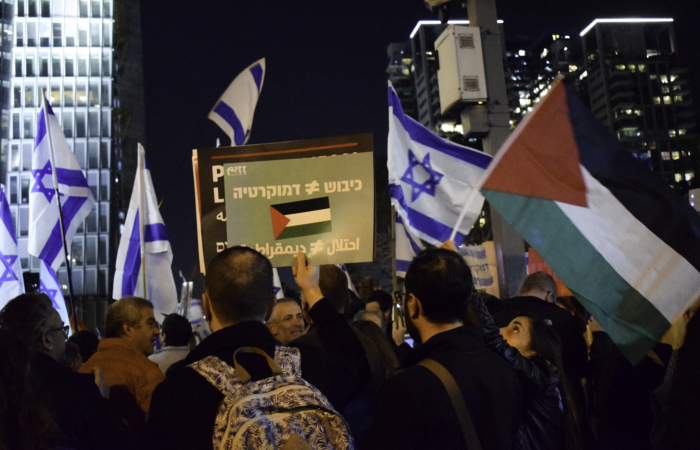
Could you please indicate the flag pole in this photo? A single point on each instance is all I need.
(142, 210)
(393, 259)
(72, 306)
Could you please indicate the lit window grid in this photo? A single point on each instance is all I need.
(90, 252)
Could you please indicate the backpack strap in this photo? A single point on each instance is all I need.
(243, 374)
(460, 407)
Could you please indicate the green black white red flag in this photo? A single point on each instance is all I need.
(617, 235)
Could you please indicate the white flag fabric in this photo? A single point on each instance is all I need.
(144, 231)
(45, 239)
(351, 286)
(48, 284)
(407, 246)
(234, 111)
(11, 280)
(430, 178)
(277, 284)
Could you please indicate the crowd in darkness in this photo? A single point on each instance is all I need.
(335, 371)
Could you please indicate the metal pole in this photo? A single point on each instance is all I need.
(394, 283)
(142, 211)
(510, 248)
(72, 306)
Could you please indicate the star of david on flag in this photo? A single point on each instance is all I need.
(430, 178)
(145, 239)
(49, 285)
(45, 237)
(234, 111)
(11, 281)
(411, 178)
(277, 284)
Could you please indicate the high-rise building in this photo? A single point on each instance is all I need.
(641, 95)
(86, 55)
(400, 71)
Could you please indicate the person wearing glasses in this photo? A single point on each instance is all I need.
(75, 401)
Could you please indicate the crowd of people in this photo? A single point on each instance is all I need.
(336, 372)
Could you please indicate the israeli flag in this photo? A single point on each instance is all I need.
(48, 284)
(407, 246)
(277, 284)
(351, 286)
(11, 281)
(234, 111)
(430, 178)
(45, 237)
(145, 238)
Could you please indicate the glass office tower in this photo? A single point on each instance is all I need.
(66, 48)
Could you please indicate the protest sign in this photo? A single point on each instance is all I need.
(208, 172)
(321, 206)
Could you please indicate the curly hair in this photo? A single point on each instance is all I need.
(28, 316)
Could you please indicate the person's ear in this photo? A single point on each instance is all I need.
(270, 307)
(48, 341)
(413, 305)
(206, 307)
(126, 329)
(272, 326)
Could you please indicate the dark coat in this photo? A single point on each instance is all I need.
(184, 406)
(86, 419)
(415, 412)
(574, 349)
(543, 409)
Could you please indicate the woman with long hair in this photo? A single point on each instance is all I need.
(533, 349)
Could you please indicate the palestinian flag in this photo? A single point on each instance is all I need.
(303, 218)
(617, 235)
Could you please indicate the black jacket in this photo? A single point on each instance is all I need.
(85, 419)
(543, 413)
(574, 349)
(415, 412)
(184, 406)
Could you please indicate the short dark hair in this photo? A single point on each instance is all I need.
(334, 286)
(125, 310)
(383, 298)
(442, 281)
(28, 316)
(87, 342)
(541, 282)
(239, 284)
(177, 330)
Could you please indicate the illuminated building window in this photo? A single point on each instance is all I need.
(681, 132)
(573, 68)
(675, 155)
(663, 78)
(666, 156)
(677, 98)
(689, 176)
(667, 99)
(678, 177)
(657, 100)
(672, 133)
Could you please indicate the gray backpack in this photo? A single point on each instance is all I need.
(280, 412)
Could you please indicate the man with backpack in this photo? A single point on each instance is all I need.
(185, 410)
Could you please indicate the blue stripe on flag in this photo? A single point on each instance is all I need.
(257, 72)
(54, 244)
(155, 232)
(416, 248)
(73, 178)
(423, 136)
(421, 222)
(7, 216)
(401, 265)
(40, 129)
(229, 115)
(132, 264)
(71, 208)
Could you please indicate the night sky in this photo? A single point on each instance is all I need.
(326, 72)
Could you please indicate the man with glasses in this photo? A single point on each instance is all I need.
(415, 409)
(85, 419)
